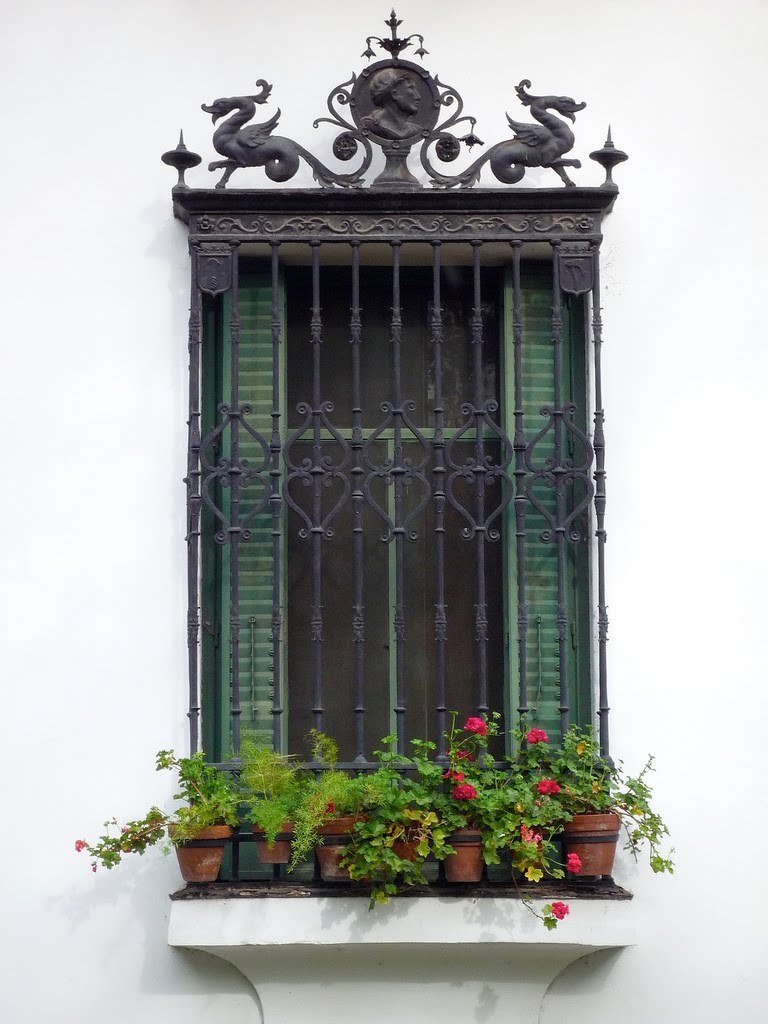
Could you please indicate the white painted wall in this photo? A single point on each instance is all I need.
(93, 277)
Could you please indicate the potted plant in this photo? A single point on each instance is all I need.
(327, 807)
(593, 798)
(209, 813)
(272, 785)
(464, 810)
(400, 824)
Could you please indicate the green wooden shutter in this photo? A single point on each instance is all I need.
(255, 562)
(543, 683)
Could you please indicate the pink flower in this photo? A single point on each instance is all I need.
(464, 791)
(80, 845)
(456, 776)
(93, 866)
(573, 863)
(478, 725)
(462, 754)
(536, 736)
(529, 836)
(560, 910)
(548, 786)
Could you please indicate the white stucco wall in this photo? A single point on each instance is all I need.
(93, 281)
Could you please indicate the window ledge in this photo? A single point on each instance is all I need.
(446, 953)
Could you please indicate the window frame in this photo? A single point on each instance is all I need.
(220, 223)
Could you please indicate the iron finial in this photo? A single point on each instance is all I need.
(608, 157)
(395, 45)
(182, 159)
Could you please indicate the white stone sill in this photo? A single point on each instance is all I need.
(334, 921)
(332, 961)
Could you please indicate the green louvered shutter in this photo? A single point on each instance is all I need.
(255, 561)
(543, 682)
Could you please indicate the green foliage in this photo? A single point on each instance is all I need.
(211, 799)
(420, 803)
(407, 809)
(400, 826)
(271, 785)
(329, 794)
(589, 784)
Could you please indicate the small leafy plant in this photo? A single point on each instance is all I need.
(210, 799)
(400, 825)
(272, 786)
(331, 793)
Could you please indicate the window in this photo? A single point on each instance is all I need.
(395, 502)
(395, 489)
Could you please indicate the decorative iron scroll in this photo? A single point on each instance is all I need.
(395, 105)
(459, 226)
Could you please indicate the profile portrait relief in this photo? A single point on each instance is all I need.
(396, 98)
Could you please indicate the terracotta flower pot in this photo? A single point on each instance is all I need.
(202, 863)
(466, 864)
(593, 837)
(405, 848)
(335, 835)
(278, 852)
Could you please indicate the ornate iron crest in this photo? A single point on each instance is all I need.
(395, 105)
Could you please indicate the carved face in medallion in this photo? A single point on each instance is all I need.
(395, 103)
(395, 97)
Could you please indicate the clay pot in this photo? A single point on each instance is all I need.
(278, 852)
(466, 864)
(593, 837)
(202, 863)
(405, 848)
(335, 835)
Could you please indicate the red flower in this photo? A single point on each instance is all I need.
(560, 910)
(463, 754)
(330, 807)
(573, 863)
(465, 791)
(456, 776)
(548, 786)
(478, 725)
(536, 736)
(80, 844)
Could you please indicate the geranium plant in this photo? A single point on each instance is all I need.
(420, 802)
(210, 798)
(400, 824)
(575, 779)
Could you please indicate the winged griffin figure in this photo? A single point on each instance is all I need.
(533, 145)
(254, 145)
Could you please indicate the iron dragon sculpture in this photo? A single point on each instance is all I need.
(395, 105)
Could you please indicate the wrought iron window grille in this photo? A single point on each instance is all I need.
(253, 456)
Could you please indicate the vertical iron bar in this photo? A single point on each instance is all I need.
(519, 473)
(234, 501)
(357, 472)
(194, 508)
(481, 615)
(235, 847)
(438, 445)
(599, 449)
(559, 471)
(398, 470)
(276, 504)
(316, 325)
